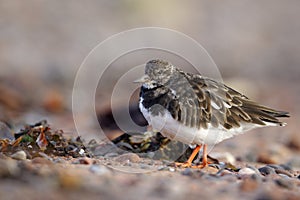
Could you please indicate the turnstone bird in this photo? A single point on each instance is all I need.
(197, 110)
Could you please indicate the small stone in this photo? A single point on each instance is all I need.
(210, 170)
(266, 170)
(274, 166)
(283, 176)
(99, 169)
(187, 172)
(246, 172)
(85, 161)
(255, 169)
(285, 183)
(19, 155)
(248, 185)
(131, 157)
(171, 169)
(144, 166)
(281, 171)
(81, 152)
(282, 167)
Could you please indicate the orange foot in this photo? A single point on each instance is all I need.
(188, 164)
(183, 165)
(200, 166)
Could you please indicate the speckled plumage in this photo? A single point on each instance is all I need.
(200, 100)
(201, 109)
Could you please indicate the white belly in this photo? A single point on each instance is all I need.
(175, 130)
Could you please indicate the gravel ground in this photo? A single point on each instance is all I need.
(42, 44)
(29, 171)
(94, 179)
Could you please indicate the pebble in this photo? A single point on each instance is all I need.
(284, 172)
(285, 183)
(85, 161)
(81, 152)
(19, 155)
(255, 169)
(283, 176)
(266, 170)
(246, 172)
(187, 172)
(210, 170)
(282, 167)
(131, 157)
(144, 166)
(171, 169)
(99, 169)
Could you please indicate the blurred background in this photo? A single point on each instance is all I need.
(42, 44)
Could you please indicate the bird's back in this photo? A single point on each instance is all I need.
(201, 102)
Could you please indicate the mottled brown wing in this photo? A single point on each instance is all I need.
(219, 104)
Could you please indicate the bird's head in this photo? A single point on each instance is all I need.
(157, 72)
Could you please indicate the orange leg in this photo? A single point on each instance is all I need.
(188, 163)
(204, 156)
(204, 159)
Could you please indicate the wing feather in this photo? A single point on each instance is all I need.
(218, 104)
